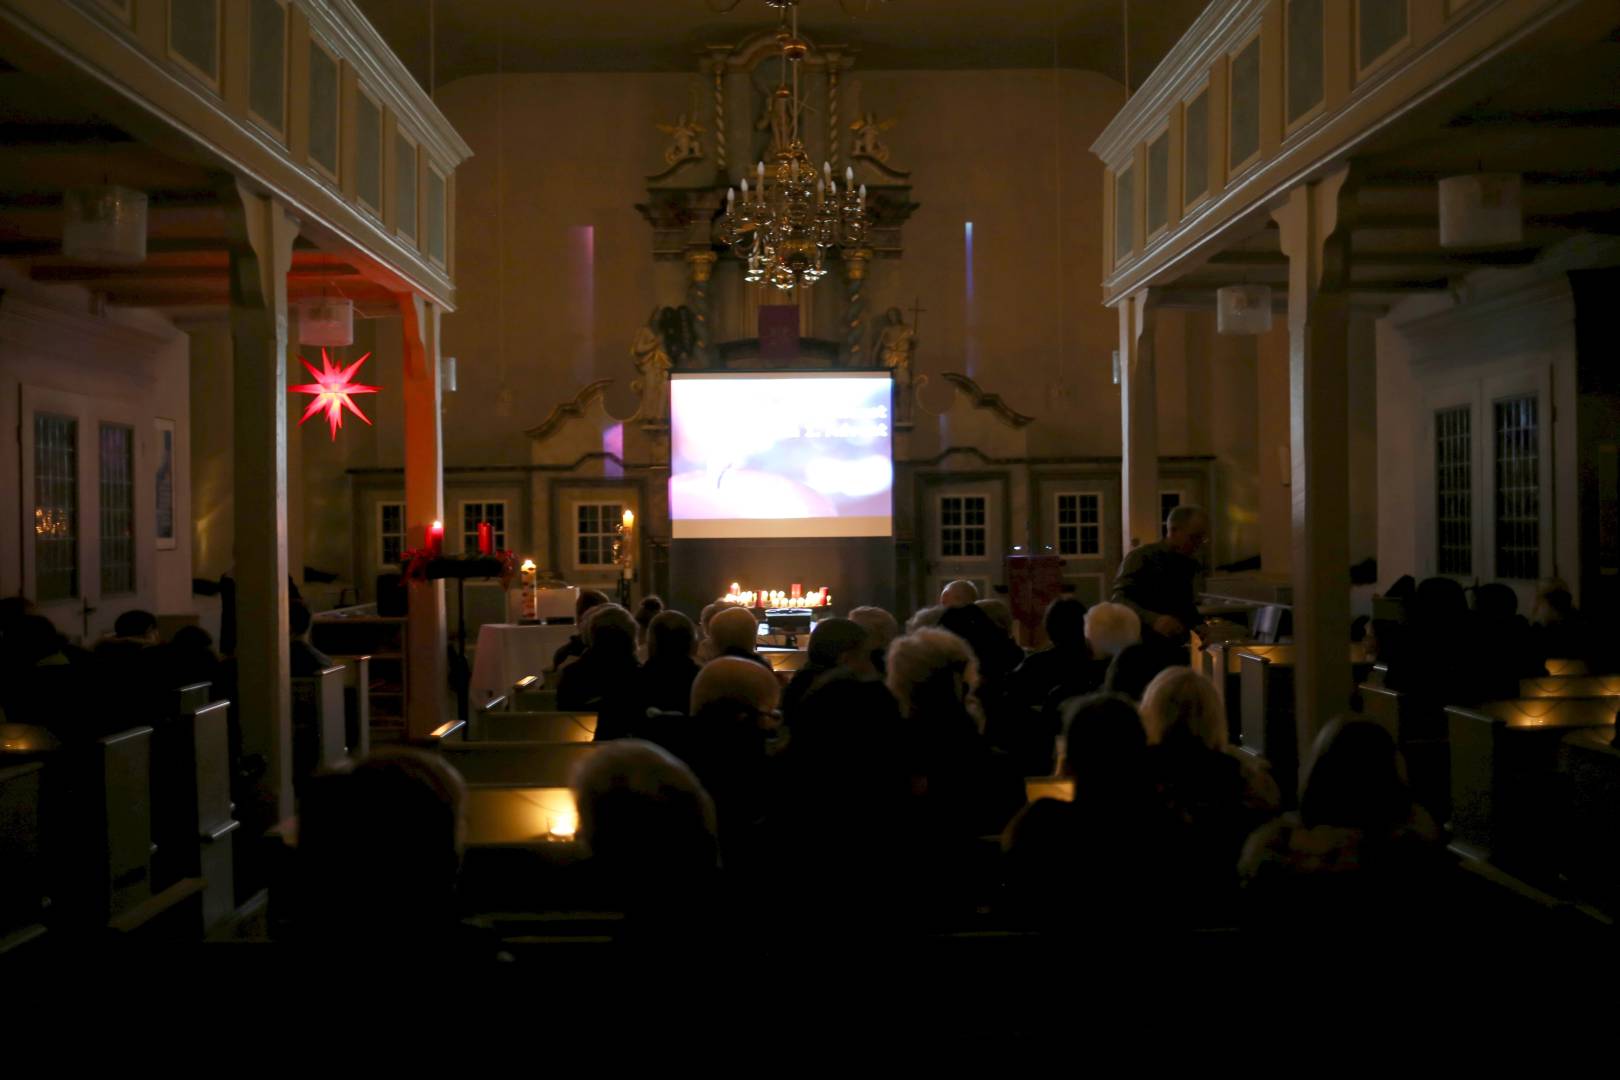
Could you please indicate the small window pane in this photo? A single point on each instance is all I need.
(391, 533)
(1518, 488)
(1197, 148)
(368, 151)
(56, 507)
(597, 531)
(405, 186)
(1158, 192)
(1381, 23)
(1079, 524)
(1304, 61)
(323, 108)
(434, 214)
(1453, 491)
(1244, 132)
(117, 509)
(267, 62)
(194, 33)
(1124, 214)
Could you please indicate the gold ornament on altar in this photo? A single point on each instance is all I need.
(684, 144)
(784, 227)
(867, 129)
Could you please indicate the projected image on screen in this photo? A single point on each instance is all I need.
(780, 455)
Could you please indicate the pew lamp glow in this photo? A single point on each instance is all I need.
(333, 389)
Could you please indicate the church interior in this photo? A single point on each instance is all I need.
(673, 474)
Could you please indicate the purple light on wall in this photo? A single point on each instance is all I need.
(582, 264)
(613, 443)
(970, 349)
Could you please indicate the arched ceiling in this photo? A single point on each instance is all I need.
(473, 37)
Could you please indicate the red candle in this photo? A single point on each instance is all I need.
(486, 538)
(435, 538)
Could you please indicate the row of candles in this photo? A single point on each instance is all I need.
(777, 598)
(435, 539)
(823, 185)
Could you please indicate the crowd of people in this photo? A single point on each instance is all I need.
(885, 782)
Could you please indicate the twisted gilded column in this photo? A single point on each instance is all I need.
(855, 305)
(832, 112)
(720, 116)
(697, 298)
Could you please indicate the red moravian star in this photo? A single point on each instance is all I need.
(332, 388)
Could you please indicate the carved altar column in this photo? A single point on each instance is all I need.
(697, 298)
(855, 265)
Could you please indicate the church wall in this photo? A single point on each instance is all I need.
(547, 207)
(126, 367)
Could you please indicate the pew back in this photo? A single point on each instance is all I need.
(1570, 686)
(22, 868)
(514, 764)
(1590, 759)
(1266, 729)
(124, 762)
(318, 722)
(534, 699)
(550, 727)
(1504, 758)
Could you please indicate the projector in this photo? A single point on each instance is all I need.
(791, 620)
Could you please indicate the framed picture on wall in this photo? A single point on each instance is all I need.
(163, 488)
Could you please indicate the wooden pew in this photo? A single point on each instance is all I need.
(318, 723)
(529, 694)
(174, 784)
(1567, 667)
(1421, 736)
(210, 813)
(1267, 720)
(1223, 667)
(495, 704)
(1589, 761)
(357, 704)
(551, 727)
(1504, 789)
(1570, 686)
(23, 893)
(513, 764)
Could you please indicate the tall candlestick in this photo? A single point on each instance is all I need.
(486, 538)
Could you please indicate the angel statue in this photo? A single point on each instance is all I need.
(866, 129)
(684, 144)
(652, 364)
(896, 341)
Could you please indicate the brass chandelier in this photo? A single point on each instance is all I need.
(786, 224)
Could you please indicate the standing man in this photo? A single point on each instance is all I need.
(1159, 581)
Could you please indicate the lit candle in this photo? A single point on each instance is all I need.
(731, 196)
(435, 539)
(849, 177)
(826, 171)
(821, 191)
(486, 538)
(863, 196)
(745, 189)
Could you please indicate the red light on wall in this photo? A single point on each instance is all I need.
(332, 389)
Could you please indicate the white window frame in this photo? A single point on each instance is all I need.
(469, 541)
(380, 551)
(984, 528)
(577, 535)
(1080, 526)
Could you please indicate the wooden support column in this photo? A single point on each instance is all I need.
(261, 234)
(1315, 234)
(1139, 421)
(428, 688)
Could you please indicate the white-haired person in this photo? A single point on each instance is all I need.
(1215, 795)
(967, 790)
(650, 828)
(1108, 629)
(881, 630)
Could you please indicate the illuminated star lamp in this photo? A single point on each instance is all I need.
(332, 389)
